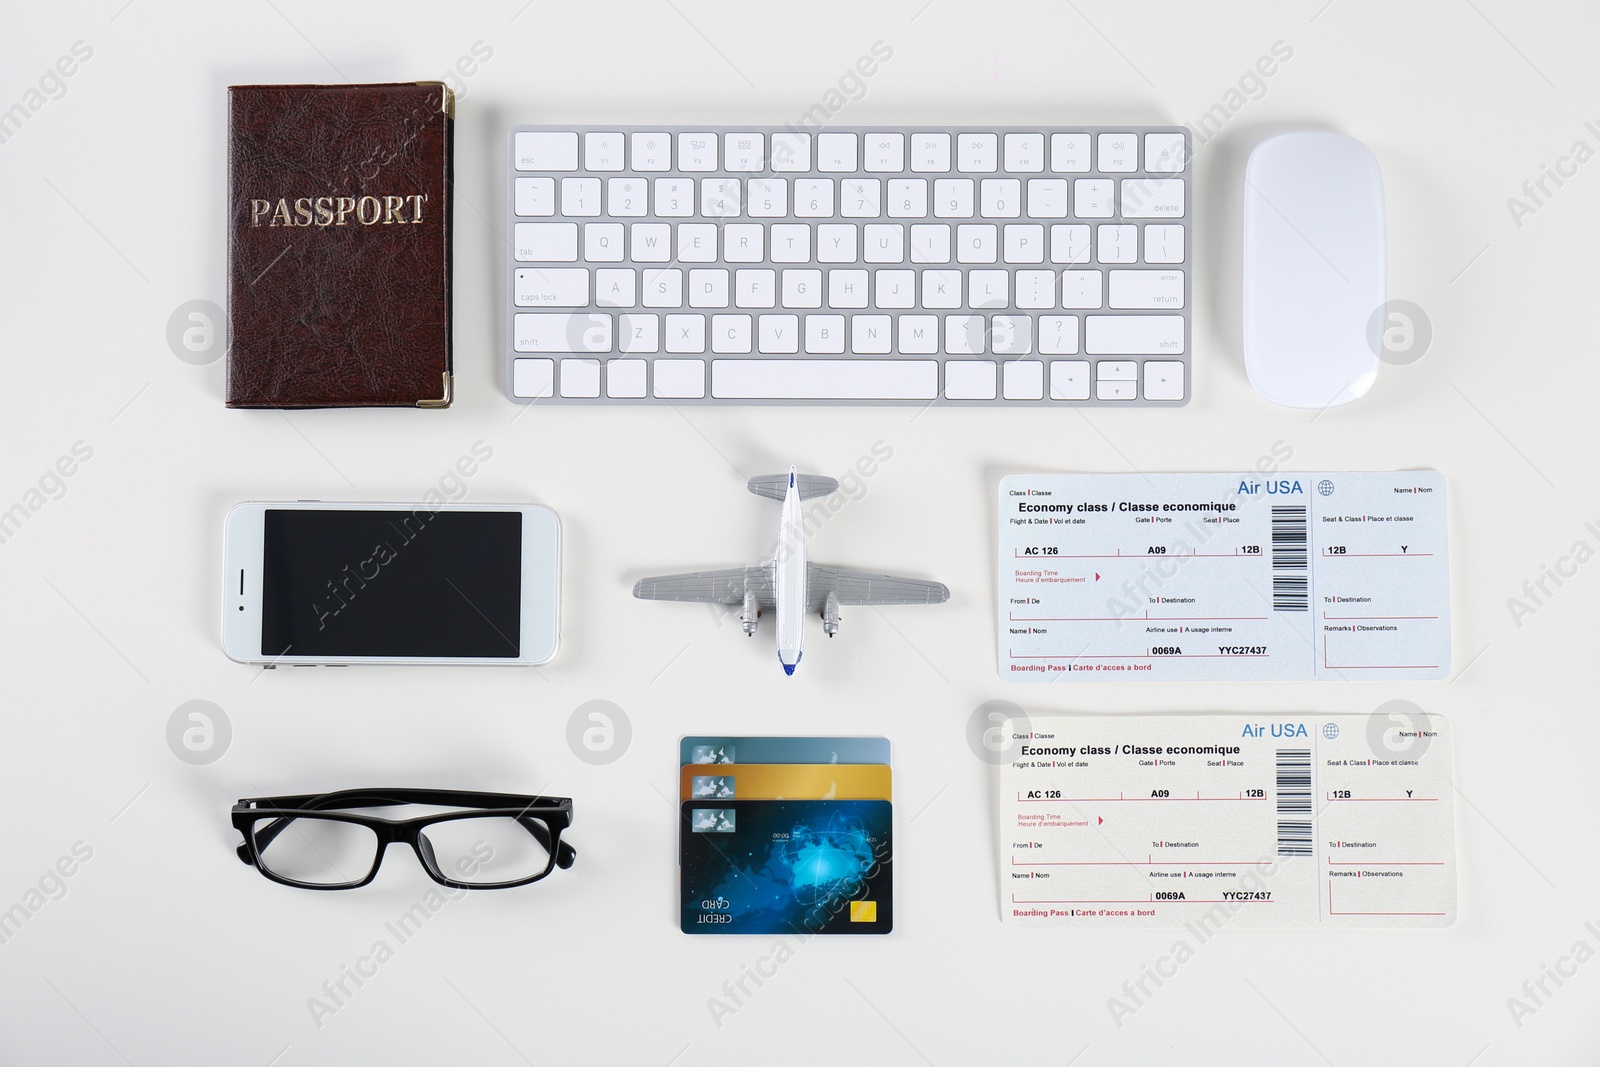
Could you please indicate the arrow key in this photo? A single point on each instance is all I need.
(1163, 379)
(1069, 379)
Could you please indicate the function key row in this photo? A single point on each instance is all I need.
(555, 151)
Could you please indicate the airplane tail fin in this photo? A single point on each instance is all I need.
(776, 486)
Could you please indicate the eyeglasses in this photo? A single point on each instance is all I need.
(318, 841)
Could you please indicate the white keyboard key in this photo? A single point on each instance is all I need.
(697, 151)
(836, 152)
(883, 242)
(1163, 380)
(791, 152)
(1091, 198)
(625, 378)
(720, 197)
(977, 152)
(930, 152)
(1081, 289)
(896, 289)
(1118, 244)
(1118, 152)
(1024, 379)
(930, 243)
(580, 196)
(977, 244)
(1133, 335)
(778, 334)
(767, 198)
(802, 288)
(558, 287)
(547, 151)
(536, 196)
(813, 198)
(1024, 244)
(651, 241)
(1069, 243)
(744, 242)
(1058, 336)
(825, 334)
(730, 334)
(825, 379)
(969, 379)
(663, 288)
(1152, 198)
(580, 377)
(680, 379)
(744, 151)
(870, 334)
(952, 198)
(941, 288)
(1047, 198)
(1025, 152)
(708, 287)
(1069, 154)
(697, 242)
(1000, 198)
(919, 335)
(1164, 154)
(686, 333)
(602, 151)
(1036, 289)
(1011, 335)
(1112, 390)
(1163, 244)
(885, 151)
(627, 197)
(562, 333)
(1117, 370)
(836, 243)
(602, 242)
(965, 335)
(546, 242)
(989, 289)
(615, 287)
(1069, 379)
(908, 198)
(674, 197)
(791, 243)
(652, 150)
(1159, 289)
(847, 288)
(859, 198)
(639, 334)
(755, 289)
(533, 378)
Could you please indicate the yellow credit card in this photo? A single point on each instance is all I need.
(784, 781)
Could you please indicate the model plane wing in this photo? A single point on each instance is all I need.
(711, 587)
(862, 587)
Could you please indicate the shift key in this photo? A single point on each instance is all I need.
(1133, 335)
(1141, 289)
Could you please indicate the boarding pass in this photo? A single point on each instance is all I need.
(1237, 577)
(1207, 821)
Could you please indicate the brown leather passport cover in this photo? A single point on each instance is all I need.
(339, 245)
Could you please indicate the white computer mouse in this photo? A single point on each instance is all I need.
(1314, 268)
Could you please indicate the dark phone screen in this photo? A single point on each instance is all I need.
(392, 583)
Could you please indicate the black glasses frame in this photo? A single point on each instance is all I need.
(543, 817)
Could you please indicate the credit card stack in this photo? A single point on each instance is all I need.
(785, 835)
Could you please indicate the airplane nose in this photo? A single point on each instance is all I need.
(783, 658)
(788, 668)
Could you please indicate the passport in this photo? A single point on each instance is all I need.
(339, 230)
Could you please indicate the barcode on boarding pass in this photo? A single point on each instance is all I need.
(1289, 564)
(1294, 798)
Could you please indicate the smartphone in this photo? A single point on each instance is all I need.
(314, 583)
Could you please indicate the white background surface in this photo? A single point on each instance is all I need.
(164, 949)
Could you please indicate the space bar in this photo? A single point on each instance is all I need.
(846, 378)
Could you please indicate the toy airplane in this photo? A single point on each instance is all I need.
(791, 585)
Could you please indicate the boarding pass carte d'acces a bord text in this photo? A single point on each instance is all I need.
(1238, 577)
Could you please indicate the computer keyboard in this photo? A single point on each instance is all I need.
(739, 265)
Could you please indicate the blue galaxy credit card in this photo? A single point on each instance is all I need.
(783, 750)
(786, 867)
